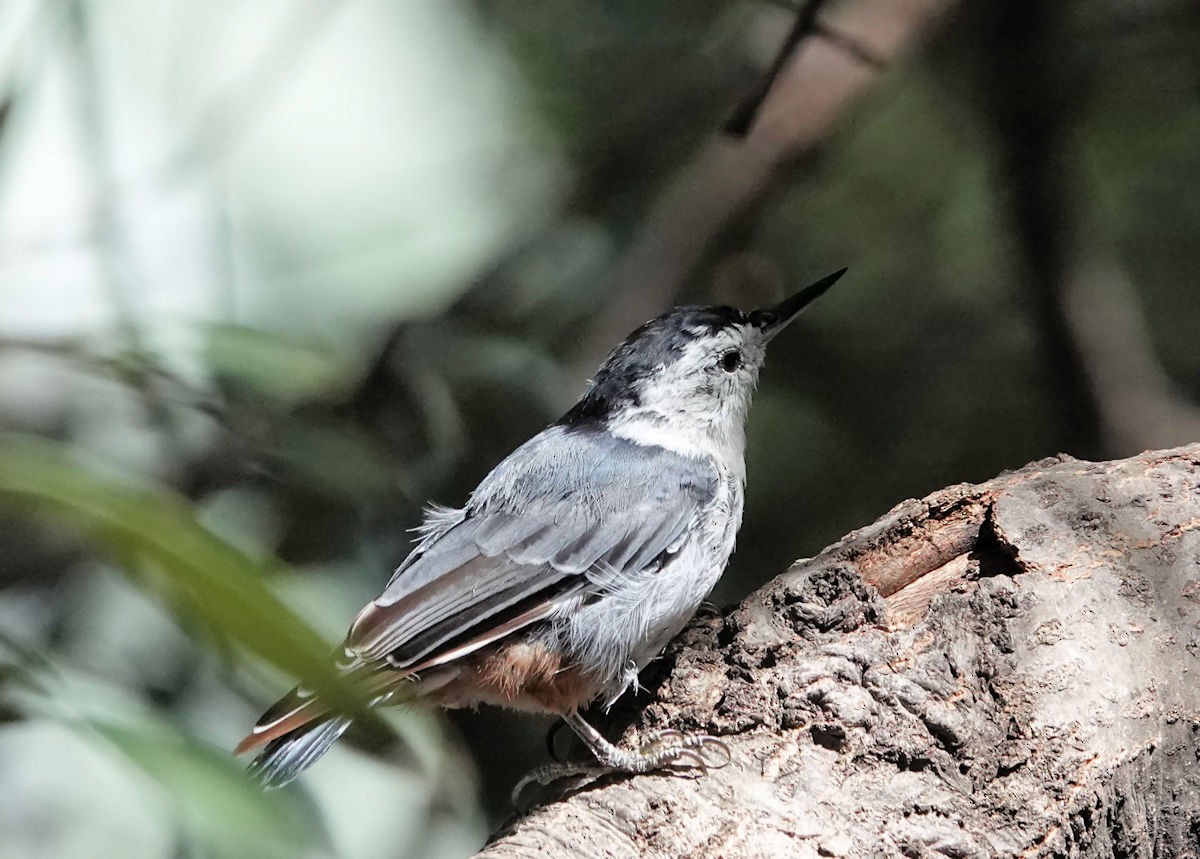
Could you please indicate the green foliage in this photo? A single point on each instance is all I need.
(209, 802)
(265, 364)
(209, 794)
(166, 550)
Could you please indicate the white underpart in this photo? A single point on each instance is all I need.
(697, 410)
(641, 612)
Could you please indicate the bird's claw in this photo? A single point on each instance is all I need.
(675, 749)
(686, 755)
(551, 773)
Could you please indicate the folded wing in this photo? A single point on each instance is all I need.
(563, 514)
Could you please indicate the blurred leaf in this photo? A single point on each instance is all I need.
(205, 789)
(20, 664)
(286, 370)
(166, 549)
(339, 459)
(211, 794)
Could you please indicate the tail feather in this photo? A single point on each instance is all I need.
(295, 710)
(300, 727)
(302, 707)
(287, 756)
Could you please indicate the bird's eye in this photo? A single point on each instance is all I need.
(731, 360)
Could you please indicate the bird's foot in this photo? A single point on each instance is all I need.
(572, 776)
(688, 755)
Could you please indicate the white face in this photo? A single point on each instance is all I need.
(707, 388)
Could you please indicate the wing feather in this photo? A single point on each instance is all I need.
(565, 512)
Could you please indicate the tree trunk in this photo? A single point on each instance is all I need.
(1005, 669)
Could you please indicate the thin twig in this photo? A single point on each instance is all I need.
(853, 47)
(743, 117)
(130, 368)
(116, 256)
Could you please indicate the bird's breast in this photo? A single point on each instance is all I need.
(615, 633)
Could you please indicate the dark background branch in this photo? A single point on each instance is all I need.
(742, 118)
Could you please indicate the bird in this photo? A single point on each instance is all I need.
(577, 558)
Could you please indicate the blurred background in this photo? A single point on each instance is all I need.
(275, 274)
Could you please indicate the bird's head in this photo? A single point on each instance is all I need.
(690, 372)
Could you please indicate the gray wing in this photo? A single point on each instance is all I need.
(563, 513)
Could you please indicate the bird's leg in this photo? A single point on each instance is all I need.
(668, 749)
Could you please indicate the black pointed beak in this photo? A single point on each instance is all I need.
(772, 320)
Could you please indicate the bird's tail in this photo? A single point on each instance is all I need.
(300, 728)
(286, 756)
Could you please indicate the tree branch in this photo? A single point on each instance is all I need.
(740, 122)
(1002, 669)
(817, 82)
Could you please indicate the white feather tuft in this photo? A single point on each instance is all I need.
(438, 520)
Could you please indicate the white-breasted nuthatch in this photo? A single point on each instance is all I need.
(576, 559)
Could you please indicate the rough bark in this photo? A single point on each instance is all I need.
(1002, 669)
